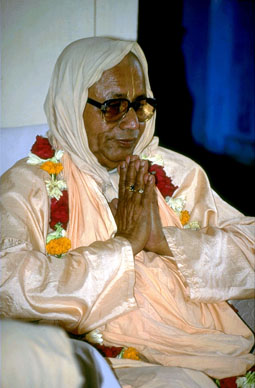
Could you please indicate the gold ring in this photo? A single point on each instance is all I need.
(140, 191)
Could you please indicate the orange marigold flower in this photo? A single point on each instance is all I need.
(184, 217)
(131, 353)
(52, 168)
(58, 246)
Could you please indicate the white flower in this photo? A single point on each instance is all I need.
(193, 225)
(95, 337)
(34, 159)
(55, 187)
(57, 157)
(156, 159)
(59, 232)
(177, 204)
(246, 382)
(240, 382)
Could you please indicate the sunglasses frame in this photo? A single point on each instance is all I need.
(103, 106)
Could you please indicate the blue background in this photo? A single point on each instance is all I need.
(201, 66)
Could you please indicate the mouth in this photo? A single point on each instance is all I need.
(126, 143)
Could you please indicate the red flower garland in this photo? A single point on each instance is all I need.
(59, 211)
(163, 182)
(108, 351)
(42, 148)
(230, 382)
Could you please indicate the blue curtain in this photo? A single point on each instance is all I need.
(218, 48)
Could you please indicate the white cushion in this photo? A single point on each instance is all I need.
(37, 356)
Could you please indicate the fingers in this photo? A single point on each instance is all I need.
(149, 184)
(136, 187)
(132, 173)
(122, 182)
(127, 173)
(131, 178)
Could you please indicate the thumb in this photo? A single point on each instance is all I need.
(113, 206)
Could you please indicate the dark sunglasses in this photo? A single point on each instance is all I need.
(116, 108)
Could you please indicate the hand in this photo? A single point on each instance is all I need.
(131, 209)
(157, 242)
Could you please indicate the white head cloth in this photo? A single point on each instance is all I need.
(78, 67)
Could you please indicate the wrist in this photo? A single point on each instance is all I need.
(161, 247)
(135, 245)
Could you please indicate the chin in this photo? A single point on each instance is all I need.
(110, 164)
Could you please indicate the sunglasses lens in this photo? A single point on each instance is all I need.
(144, 109)
(115, 109)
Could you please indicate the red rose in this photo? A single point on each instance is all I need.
(229, 382)
(166, 187)
(59, 210)
(109, 351)
(157, 170)
(163, 182)
(42, 148)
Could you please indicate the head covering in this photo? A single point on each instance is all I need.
(78, 67)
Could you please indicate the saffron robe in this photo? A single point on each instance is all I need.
(173, 310)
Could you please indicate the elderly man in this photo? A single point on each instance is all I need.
(103, 229)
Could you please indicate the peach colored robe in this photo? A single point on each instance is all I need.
(171, 309)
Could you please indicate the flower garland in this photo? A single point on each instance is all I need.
(43, 155)
(95, 338)
(167, 189)
(48, 159)
(247, 381)
(57, 244)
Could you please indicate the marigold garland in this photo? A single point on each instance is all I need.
(131, 353)
(95, 338)
(117, 352)
(58, 246)
(52, 168)
(48, 159)
(184, 217)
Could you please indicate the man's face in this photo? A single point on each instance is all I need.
(112, 142)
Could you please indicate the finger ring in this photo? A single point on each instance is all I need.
(140, 191)
(131, 188)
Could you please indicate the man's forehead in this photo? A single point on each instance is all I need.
(125, 80)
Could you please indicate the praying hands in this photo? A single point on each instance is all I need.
(136, 211)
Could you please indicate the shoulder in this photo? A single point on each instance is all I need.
(176, 158)
(23, 177)
(24, 204)
(178, 165)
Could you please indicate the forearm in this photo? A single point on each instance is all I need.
(71, 289)
(217, 264)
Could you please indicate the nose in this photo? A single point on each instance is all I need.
(130, 120)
